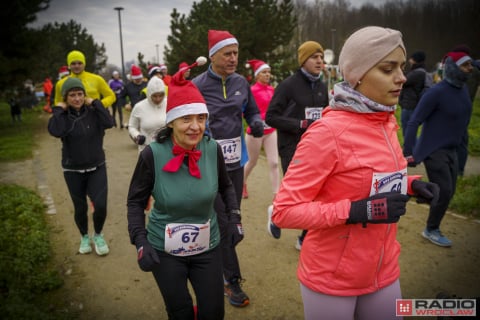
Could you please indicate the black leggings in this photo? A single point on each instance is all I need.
(94, 185)
(231, 265)
(205, 274)
(442, 169)
(116, 106)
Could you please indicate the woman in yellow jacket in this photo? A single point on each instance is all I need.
(95, 86)
(347, 184)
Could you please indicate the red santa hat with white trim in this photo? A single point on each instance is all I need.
(184, 98)
(217, 39)
(63, 71)
(152, 70)
(257, 66)
(136, 72)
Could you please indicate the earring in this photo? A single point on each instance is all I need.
(359, 82)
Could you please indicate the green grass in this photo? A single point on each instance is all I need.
(26, 271)
(16, 139)
(466, 200)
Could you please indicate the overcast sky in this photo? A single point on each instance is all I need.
(145, 23)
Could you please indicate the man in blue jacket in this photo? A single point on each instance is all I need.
(445, 105)
(228, 98)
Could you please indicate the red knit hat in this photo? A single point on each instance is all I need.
(184, 98)
(136, 72)
(217, 39)
(257, 66)
(62, 72)
(458, 57)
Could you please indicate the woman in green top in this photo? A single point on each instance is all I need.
(183, 170)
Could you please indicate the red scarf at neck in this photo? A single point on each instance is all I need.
(174, 164)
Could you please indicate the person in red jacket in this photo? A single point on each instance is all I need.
(347, 184)
(47, 93)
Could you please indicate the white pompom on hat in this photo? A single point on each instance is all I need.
(217, 39)
(364, 49)
(184, 98)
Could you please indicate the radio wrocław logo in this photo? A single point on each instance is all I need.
(436, 307)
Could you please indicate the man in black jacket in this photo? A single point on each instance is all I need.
(418, 80)
(297, 102)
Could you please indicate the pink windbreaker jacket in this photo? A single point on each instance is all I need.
(333, 165)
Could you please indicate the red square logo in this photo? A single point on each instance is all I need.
(404, 307)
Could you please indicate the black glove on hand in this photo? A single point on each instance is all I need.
(304, 124)
(426, 192)
(140, 139)
(147, 257)
(411, 161)
(235, 228)
(380, 208)
(257, 129)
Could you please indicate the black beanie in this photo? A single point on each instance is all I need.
(418, 56)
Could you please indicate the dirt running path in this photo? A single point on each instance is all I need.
(113, 287)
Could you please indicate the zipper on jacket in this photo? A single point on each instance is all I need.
(224, 87)
(390, 146)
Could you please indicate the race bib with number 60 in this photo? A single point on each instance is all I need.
(389, 182)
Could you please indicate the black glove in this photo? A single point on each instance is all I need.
(411, 161)
(380, 208)
(257, 129)
(147, 256)
(426, 192)
(140, 140)
(304, 124)
(235, 228)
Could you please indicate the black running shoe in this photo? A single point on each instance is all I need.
(235, 294)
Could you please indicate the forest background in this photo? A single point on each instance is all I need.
(270, 30)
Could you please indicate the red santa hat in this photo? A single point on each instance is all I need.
(458, 57)
(153, 69)
(184, 98)
(217, 39)
(136, 72)
(63, 72)
(257, 66)
(182, 65)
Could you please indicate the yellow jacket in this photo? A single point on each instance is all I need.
(95, 87)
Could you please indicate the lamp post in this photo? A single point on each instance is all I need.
(333, 40)
(158, 60)
(328, 57)
(121, 39)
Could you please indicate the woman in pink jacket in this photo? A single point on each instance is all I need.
(262, 91)
(347, 184)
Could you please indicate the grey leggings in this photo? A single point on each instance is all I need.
(377, 305)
